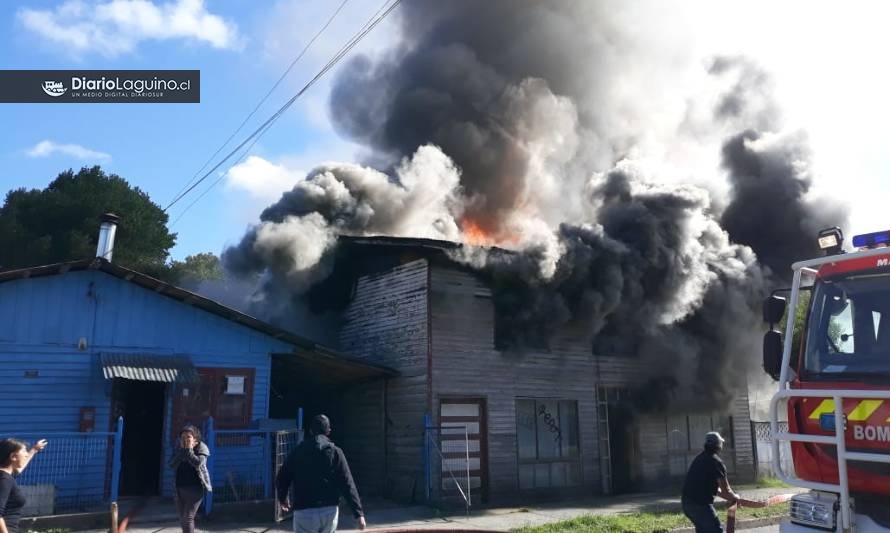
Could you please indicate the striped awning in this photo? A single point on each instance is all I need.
(149, 367)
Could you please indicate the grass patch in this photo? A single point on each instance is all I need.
(771, 483)
(763, 483)
(652, 522)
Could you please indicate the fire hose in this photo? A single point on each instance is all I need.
(742, 502)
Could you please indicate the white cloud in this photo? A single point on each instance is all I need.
(47, 148)
(116, 27)
(262, 179)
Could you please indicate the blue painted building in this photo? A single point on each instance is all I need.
(83, 343)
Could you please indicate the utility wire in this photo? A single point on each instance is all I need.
(263, 100)
(220, 178)
(258, 133)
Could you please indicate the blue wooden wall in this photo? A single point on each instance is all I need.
(43, 321)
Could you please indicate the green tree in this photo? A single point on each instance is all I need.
(61, 223)
(800, 319)
(195, 268)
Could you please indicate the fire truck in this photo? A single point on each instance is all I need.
(835, 387)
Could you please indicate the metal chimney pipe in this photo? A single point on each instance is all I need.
(107, 230)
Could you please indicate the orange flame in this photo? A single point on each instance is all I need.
(474, 234)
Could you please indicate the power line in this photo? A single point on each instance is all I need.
(263, 100)
(216, 182)
(370, 25)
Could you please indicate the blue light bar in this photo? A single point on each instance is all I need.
(871, 240)
(826, 422)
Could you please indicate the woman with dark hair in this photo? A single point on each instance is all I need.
(189, 464)
(14, 457)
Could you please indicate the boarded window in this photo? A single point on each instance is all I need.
(686, 437)
(547, 441)
(699, 425)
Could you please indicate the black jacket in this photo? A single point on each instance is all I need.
(316, 475)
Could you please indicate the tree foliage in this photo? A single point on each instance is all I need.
(800, 319)
(195, 268)
(61, 223)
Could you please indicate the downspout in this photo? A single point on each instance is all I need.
(429, 373)
(429, 340)
(385, 433)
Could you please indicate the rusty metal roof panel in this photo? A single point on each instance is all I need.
(149, 367)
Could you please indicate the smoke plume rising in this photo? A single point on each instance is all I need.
(564, 132)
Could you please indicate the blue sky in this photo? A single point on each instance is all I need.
(241, 48)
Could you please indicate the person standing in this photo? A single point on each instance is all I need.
(14, 457)
(315, 475)
(189, 463)
(705, 479)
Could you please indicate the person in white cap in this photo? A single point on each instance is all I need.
(705, 479)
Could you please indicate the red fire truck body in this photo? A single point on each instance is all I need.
(837, 389)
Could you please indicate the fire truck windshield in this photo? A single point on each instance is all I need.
(849, 328)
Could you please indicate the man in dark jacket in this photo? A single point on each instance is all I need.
(705, 479)
(316, 475)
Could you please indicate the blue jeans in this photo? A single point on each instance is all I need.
(316, 520)
(703, 517)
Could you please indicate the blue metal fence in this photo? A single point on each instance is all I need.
(80, 472)
(242, 462)
(76, 472)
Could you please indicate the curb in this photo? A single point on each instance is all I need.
(253, 509)
(78, 521)
(750, 523)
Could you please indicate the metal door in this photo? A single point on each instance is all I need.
(285, 442)
(463, 441)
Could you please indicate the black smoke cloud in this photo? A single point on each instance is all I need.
(657, 280)
(524, 117)
(470, 78)
(770, 209)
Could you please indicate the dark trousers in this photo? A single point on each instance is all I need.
(188, 500)
(703, 517)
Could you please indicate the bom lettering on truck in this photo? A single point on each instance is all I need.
(872, 433)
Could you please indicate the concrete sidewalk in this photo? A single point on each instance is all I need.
(385, 515)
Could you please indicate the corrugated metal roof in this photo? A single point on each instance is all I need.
(149, 367)
(303, 347)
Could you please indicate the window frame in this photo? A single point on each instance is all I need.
(215, 379)
(695, 444)
(576, 457)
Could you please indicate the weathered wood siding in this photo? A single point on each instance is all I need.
(386, 322)
(42, 321)
(658, 460)
(362, 437)
(660, 463)
(466, 364)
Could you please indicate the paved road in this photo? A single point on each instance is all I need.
(768, 529)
